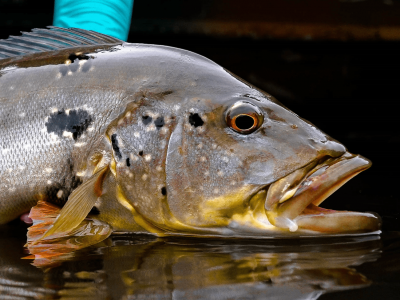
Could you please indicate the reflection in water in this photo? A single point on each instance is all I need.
(139, 267)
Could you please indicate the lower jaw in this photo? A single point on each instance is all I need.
(326, 221)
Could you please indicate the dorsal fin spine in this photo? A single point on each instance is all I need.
(54, 38)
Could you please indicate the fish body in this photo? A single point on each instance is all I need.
(161, 140)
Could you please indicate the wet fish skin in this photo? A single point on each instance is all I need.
(134, 108)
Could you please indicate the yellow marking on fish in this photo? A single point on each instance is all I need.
(136, 216)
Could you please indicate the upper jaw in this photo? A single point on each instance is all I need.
(292, 201)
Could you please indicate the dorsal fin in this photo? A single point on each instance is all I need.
(54, 38)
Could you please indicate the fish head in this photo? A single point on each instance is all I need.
(231, 161)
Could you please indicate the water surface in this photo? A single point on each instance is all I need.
(142, 267)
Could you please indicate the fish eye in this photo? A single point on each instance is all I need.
(244, 117)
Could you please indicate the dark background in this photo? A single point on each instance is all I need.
(335, 63)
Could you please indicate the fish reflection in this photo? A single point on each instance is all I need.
(138, 267)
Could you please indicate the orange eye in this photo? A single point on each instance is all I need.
(244, 117)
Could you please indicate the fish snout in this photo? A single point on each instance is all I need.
(330, 147)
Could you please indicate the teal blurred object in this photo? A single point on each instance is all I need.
(112, 17)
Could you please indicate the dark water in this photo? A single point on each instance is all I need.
(141, 267)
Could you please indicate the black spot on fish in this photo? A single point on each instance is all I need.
(76, 122)
(72, 57)
(69, 183)
(63, 70)
(147, 120)
(115, 147)
(141, 153)
(94, 211)
(159, 122)
(128, 163)
(164, 191)
(195, 120)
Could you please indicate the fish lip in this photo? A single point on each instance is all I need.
(301, 209)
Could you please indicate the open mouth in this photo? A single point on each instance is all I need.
(293, 202)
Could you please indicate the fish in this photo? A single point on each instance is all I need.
(152, 139)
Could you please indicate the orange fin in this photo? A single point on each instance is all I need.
(60, 247)
(79, 204)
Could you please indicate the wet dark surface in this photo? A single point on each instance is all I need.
(142, 267)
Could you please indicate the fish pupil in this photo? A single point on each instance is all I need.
(244, 122)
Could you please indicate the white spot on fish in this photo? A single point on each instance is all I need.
(12, 189)
(144, 177)
(133, 157)
(151, 127)
(67, 112)
(136, 134)
(60, 193)
(90, 129)
(5, 151)
(203, 117)
(163, 144)
(147, 157)
(10, 170)
(130, 175)
(120, 122)
(69, 73)
(80, 144)
(214, 146)
(164, 130)
(68, 134)
(81, 173)
(11, 87)
(49, 182)
(22, 167)
(225, 159)
(233, 182)
(200, 146)
(200, 129)
(206, 173)
(53, 109)
(22, 115)
(220, 173)
(176, 107)
(128, 114)
(82, 62)
(203, 159)
(58, 76)
(188, 127)
(216, 191)
(48, 170)
(67, 62)
(159, 168)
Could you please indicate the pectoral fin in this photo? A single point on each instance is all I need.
(78, 206)
(52, 251)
